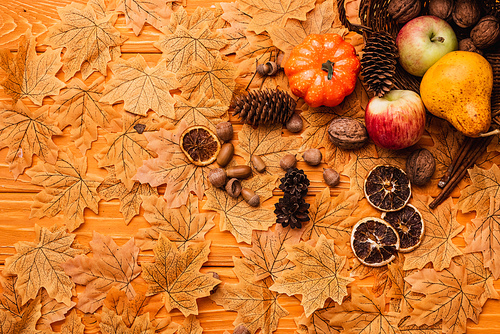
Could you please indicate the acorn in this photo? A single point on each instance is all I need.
(224, 131)
(295, 123)
(258, 163)
(225, 154)
(312, 156)
(233, 187)
(240, 171)
(250, 197)
(268, 69)
(217, 177)
(241, 329)
(331, 176)
(288, 161)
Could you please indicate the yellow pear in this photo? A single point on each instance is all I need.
(458, 88)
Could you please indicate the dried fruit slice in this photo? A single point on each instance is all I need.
(200, 145)
(374, 242)
(409, 225)
(387, 188)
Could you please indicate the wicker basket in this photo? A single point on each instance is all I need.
(374, 17)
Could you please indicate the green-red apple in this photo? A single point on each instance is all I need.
(423, 41)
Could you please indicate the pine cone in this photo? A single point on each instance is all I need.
(291, 210)
(270, 106)
(295, 182)
(378, 64)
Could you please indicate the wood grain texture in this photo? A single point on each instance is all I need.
(16, 196)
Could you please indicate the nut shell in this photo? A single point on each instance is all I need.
(331, 177)
(217, 177)
(441, 8)
(466, 13)
(420, 167)
(288, 161)
(403, 11)
(347, 133)
(224, 131)
(295, 123)
(466, 44)
(233, 187)
(312, 156)
(486, 32)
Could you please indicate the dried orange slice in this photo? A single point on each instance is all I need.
(200, 145)
(409, 225)
(387, 188)
(374, 242)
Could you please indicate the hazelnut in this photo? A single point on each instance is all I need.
(403, 11)
(331, 176)
(250, 197)
(224, 131)
(486, 32)
(225, 154)
(240, 171)
(466, 13)
(288, 161)
(347, 133)
(312, 156)
(441, 8)
(241, 329)
(420, 166)
(258, 163)
(295, 123)
(233, 187)
(217, 177)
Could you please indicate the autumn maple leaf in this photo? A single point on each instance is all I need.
(139, 12)
(67, 188)
(112, 323)
(257, 306)
(141, 87)
(191, 325)
(201, 17)
(27, 133)
(485, 185)
(78, 105)
(175, 274)
(39, 264)
(73, 324)
(182, 226)
(110, 266)
(318, 322)
(25, 324)
(29, 75)
(317, 275)
(200, 110)
(89, 37)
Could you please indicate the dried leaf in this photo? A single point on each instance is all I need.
(364, 313)
(440, 228)
(79, 106)
(51, 311)
(202, 16)
(448, 298)
(259, 47)
(139, 12)
(485, 185)
(141, 87)
(217, 79)
(477, 274)
(29, 75)
(90, 39)
(184, 47)
(402, 298)
(67, 188)
(130, 199)
(318, 322)
(200, 110)
(26, 324)
(10, 300)
(266, 142)
(268, 13)
(236, 216)
(26, 133)
(236, 39)
(268, 255)
(182, 226)
(331, 217)
(257, 306)
(111, 323)
(173, 168)
(234, 15)
(317, 275)
(39, 265)
(73, 324)
(110, 266)
(175, 274)
(191, 325)
(482, 235)
(127, 148)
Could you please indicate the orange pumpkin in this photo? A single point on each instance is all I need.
(323, 69)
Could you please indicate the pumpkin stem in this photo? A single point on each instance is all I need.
(328, 67)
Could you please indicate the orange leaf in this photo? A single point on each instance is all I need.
(200, 110)
(73, 324)
(191, 325)
(139, 12)
(485, 185)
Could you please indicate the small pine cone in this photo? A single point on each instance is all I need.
(270, 106)
(378, 64)
(295, 182)
(291, 210)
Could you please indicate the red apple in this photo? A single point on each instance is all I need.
(396, 120)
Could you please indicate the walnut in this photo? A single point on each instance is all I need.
(466, 13)
(467, 45)
(347, 133)
(441, 8)
(403, 11)
(486, 32)
(420, 166)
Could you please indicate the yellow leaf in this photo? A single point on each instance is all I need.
(51, 311)
(26, 324)
(141, 87)
(39, 264)
(191, 325)
(236, 216)
(29, 75)
(485, 186)
(257, 306)
(318, 322)
(67, 188)
(112, 323)
(139, 12)
(200, 110)
(196, 20)
(175, 274)
(26, 133)
(317, 275)
(73, 324)
(90, 39)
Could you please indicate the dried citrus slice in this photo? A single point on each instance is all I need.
(374, 242)
(409, 225)
(387, 188)
(200, 145)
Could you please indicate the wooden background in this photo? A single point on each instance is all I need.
(16, 196)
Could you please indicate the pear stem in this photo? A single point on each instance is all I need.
(439, 39)
(491, 133)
